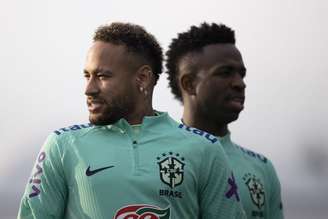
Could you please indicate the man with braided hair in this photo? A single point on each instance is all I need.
(206, 73)
(131, 161)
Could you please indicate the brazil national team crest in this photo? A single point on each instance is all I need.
(256, 191)
(142, 212)
(171, 167)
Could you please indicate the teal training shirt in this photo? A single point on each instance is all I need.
(158, 170)
(257, 181)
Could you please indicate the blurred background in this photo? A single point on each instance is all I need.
(284, 44)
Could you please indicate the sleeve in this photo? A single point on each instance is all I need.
(275, 201)
(46, 191)
(219, 197)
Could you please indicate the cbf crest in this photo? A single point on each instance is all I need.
(171, 169)
(256, 189)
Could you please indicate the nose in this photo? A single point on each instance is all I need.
(238, 82)
(92, 88)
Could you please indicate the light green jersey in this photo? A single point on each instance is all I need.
(160, 169)
(257, 181)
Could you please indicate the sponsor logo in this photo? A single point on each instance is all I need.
(89, 172)
(233, 190)
(72, 128)
(35, 180)
(253, 154)
(171, 169)
(142, 212)
(256, 192)
(195, 131)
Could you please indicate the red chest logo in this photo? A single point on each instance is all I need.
(142, 212)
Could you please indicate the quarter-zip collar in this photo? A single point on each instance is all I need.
(225, 139)
(149, 122)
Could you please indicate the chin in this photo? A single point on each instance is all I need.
(229, 117)
(101, 119)
(233, 118)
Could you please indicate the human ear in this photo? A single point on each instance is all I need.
(188, 84)
(144, 78)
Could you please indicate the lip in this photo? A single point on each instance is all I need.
(94, 106)
(237, 102)
(240, 99)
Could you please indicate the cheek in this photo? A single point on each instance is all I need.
(118, 88)
(210, 90)
(123, 90)
(212, 96)
(110, 90)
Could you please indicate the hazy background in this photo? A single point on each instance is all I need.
(284, 45)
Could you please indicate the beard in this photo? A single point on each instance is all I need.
(107, 117)
(110, 113)
(217, 113)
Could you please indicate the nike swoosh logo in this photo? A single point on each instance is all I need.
(89, 172)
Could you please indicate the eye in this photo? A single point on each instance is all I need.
(225, 71)
(87, 76)
(102, 76)
(242, 72)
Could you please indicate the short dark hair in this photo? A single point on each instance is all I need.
(136, 39)
(193, 40)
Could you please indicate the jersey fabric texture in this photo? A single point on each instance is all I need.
(160, 169)
(257, 181)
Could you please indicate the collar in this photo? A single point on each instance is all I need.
(148, 122)
(225, 139)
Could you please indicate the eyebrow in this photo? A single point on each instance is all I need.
(98, 70)
(240, 68)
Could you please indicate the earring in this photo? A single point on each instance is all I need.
(143, 90)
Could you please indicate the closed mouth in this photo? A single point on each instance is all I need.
(240, 98)
(94, 101)
(94, 104)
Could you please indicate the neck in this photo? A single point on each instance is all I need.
(206, 124)
(142, 110)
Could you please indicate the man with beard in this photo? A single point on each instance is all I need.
(206, 73)
(131, 162)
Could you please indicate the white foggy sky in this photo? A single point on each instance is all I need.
(284, 44)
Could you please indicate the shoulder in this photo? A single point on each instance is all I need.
(194, 133)
(68, 134)
(252, 155)
(197, 140)
(257, 159)
(74, 129)
(261, 164)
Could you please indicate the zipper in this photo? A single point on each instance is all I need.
(135, 151)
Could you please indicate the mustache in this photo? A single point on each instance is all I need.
(239, 96)
(91, 100)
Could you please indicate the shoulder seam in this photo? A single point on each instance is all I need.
(194, 132)
(73, 128)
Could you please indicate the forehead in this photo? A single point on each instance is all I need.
(209, 57)
(216, 54)
(102, 53)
